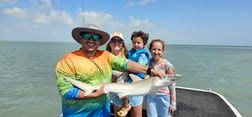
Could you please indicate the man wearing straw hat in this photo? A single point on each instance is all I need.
(92, 66)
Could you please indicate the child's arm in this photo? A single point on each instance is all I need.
(173, 95)
(170, 70)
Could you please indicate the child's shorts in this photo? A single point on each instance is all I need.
(158, 106)
(133, 100)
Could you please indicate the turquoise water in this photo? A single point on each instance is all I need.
(27, 80)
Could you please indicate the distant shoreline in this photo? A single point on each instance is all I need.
(130, 43)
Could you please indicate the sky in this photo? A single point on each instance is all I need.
(194, 22)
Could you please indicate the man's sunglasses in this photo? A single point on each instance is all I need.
(116, 40)
(88, 36)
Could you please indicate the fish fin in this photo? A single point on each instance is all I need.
(106, 90)
(121, 95)
(103, 82)
(79, 85)
(135, 78)
(87, 92)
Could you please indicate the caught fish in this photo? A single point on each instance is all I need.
(137, 88)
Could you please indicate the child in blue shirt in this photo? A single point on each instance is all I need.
(140, 55)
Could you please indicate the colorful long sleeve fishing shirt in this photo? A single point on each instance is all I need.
(95, 70)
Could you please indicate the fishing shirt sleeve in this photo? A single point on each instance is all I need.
(170, 70)
(120, 64)
(65, 68)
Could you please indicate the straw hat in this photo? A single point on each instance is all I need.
(90, 29)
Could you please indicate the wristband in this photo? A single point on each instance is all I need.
(149, 71)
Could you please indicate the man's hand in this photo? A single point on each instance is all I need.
(100, 91)
(157, 73)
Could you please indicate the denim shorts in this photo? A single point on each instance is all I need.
(158, 106)
(133, 100)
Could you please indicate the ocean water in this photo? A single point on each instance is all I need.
(27, 80)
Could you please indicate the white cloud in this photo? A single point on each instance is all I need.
(144, 2)
(139, 23)
(63, 17)
(44, 14)
(41, 16)
(55, 16)
(41, 5)
(16, 12)
(105, 21)
(38, 14)
(140, 3)
(91, 17)
(42, 19)
(131, 4)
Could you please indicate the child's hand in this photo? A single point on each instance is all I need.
(171, 110)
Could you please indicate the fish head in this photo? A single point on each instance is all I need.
(167, 80)
(172, 77)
